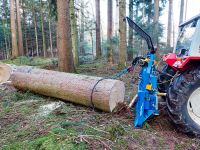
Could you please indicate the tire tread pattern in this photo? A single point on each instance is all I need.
(177, 97)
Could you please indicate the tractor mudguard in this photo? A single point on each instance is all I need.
(180, 63)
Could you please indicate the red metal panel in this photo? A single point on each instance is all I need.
(179, 63)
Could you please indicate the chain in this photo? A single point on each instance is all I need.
(127, 70)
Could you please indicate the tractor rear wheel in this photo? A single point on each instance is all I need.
(183, 101)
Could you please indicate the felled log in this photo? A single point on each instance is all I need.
(96, 92)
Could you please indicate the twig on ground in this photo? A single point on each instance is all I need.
(97, 137)
(96, 128)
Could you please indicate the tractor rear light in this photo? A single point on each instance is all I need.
(179, 58)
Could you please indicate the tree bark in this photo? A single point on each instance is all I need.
(50, 39)
(137, 7)
(6, 27)
(64, 41)
(117, 18)
(122, 33)
(15, 51)
(82, 29)
(98, 31)
(35, 27)
(142, 49)
(109, 32)
(9, 42)
(31, 40)
(43, 30)
(181, 12)
(130, 32)
(91, 35)
(32, 47)
(173, 32)
(19, 27)
(156, 21)
(3, 19)
(186, 6)
(169, 27)
(5, 39)
(74, 33)
(25, 31)
(70, 87)
(50, 32)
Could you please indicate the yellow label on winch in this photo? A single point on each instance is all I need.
(149, 87)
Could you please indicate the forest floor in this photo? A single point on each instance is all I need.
(31, 121)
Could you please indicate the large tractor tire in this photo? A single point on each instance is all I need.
(183, 102)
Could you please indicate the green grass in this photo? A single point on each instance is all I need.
(31, 61)
(56, 139)
(94, 65)
(18, 102)
(20, 96)
(115, 131)
(25, 110)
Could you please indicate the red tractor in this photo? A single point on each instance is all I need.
(180, 78)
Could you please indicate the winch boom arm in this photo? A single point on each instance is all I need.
(142, 33)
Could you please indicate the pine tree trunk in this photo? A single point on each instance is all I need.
(117, 19)
(15, 52)
(109, 32)
(3, 51)
(25, 31)
(5, 26)
(64, 41)
(9, 42)
(43, 30)
(32, 47)
(50, 32)
(36, 33)
(122, 33)
(31, 40)
(74, 33)
(50, 38)
(186, 6)
(91, 35)
(20, 41)
(169, 27)
(82, 29)
(5, 39)
(137, 7)
(142, 40)
(181, 12)
(130, 32)
(98, 31)
(156, 21)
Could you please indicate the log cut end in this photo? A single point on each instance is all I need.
(116, 95)
(5, 72)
